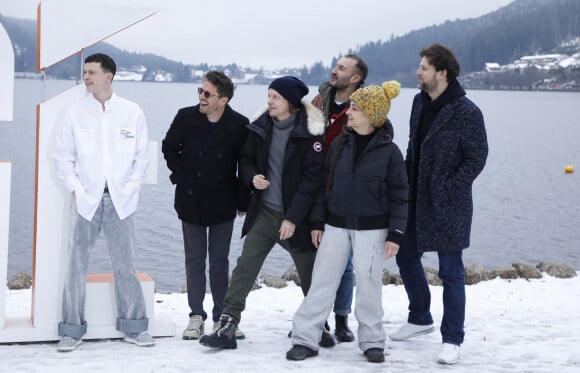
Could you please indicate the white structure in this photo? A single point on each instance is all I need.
(492, 67)
(6, 114)
(6, 76)
(542, 59)
(85, 24)
(53, 207)
(4, 224)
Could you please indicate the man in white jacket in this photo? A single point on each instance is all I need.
(101, 157)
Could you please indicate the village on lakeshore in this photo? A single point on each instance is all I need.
(533, 72)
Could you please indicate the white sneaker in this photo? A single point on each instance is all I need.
(449, 354)
(239, 334)
(142, 339)
(411, 330)
(195, 327)
(68, 344)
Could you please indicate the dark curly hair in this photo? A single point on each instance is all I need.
(442, 58)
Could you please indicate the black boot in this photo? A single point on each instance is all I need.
(375, 355)
(341, 330)
(299, 352)
(224, 336)
(326, 340)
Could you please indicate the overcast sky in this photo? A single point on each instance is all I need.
(271, 34)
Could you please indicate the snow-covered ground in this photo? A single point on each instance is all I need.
(511, 326)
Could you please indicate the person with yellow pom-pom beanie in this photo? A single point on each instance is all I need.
(361, 210)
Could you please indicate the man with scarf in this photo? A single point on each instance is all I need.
(447, 150)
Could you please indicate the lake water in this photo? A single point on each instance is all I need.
(526, 207)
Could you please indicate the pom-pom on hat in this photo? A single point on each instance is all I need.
(291, 88)
(375, 102)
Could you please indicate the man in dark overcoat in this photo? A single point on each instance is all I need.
(447, 150)
(203, 149)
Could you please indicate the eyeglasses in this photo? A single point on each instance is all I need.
(205, 93)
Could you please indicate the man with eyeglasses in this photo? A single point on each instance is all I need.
(203, 148)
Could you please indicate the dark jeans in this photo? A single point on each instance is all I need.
(258, 243)
(343, 300)
(195, 241)
(451, 272)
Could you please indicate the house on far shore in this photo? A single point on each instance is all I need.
(492, 67)
(543, 59)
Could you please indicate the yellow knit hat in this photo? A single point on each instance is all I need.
(375, 102)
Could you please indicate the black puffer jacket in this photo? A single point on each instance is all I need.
(370, 192)
(301, 176)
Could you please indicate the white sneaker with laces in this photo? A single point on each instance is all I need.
(411, 330)
(195, 328)
(68, 344)
(449, 354)
(142, 339)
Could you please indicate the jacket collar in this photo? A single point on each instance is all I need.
(309, 115)
(382, 136)
(444, 105)
(451, 94)
(91, 100)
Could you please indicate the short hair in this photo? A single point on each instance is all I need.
(361, 66)
(224, 85)
(442, 58)
(107, 63)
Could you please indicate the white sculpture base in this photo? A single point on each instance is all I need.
(100, 314)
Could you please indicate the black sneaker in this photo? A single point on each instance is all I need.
(375, 355)
(224, 336)
(341, 330)
(299, 352)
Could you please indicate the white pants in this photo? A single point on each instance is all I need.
(367, 248)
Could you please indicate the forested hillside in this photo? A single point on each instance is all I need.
(524, 27)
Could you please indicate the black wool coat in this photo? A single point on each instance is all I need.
(204, 165)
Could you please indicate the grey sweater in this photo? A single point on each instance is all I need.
(272, 196)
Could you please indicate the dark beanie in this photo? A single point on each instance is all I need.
(291, 88)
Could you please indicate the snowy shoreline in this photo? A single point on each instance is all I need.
(474, 274)
(514, 325)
